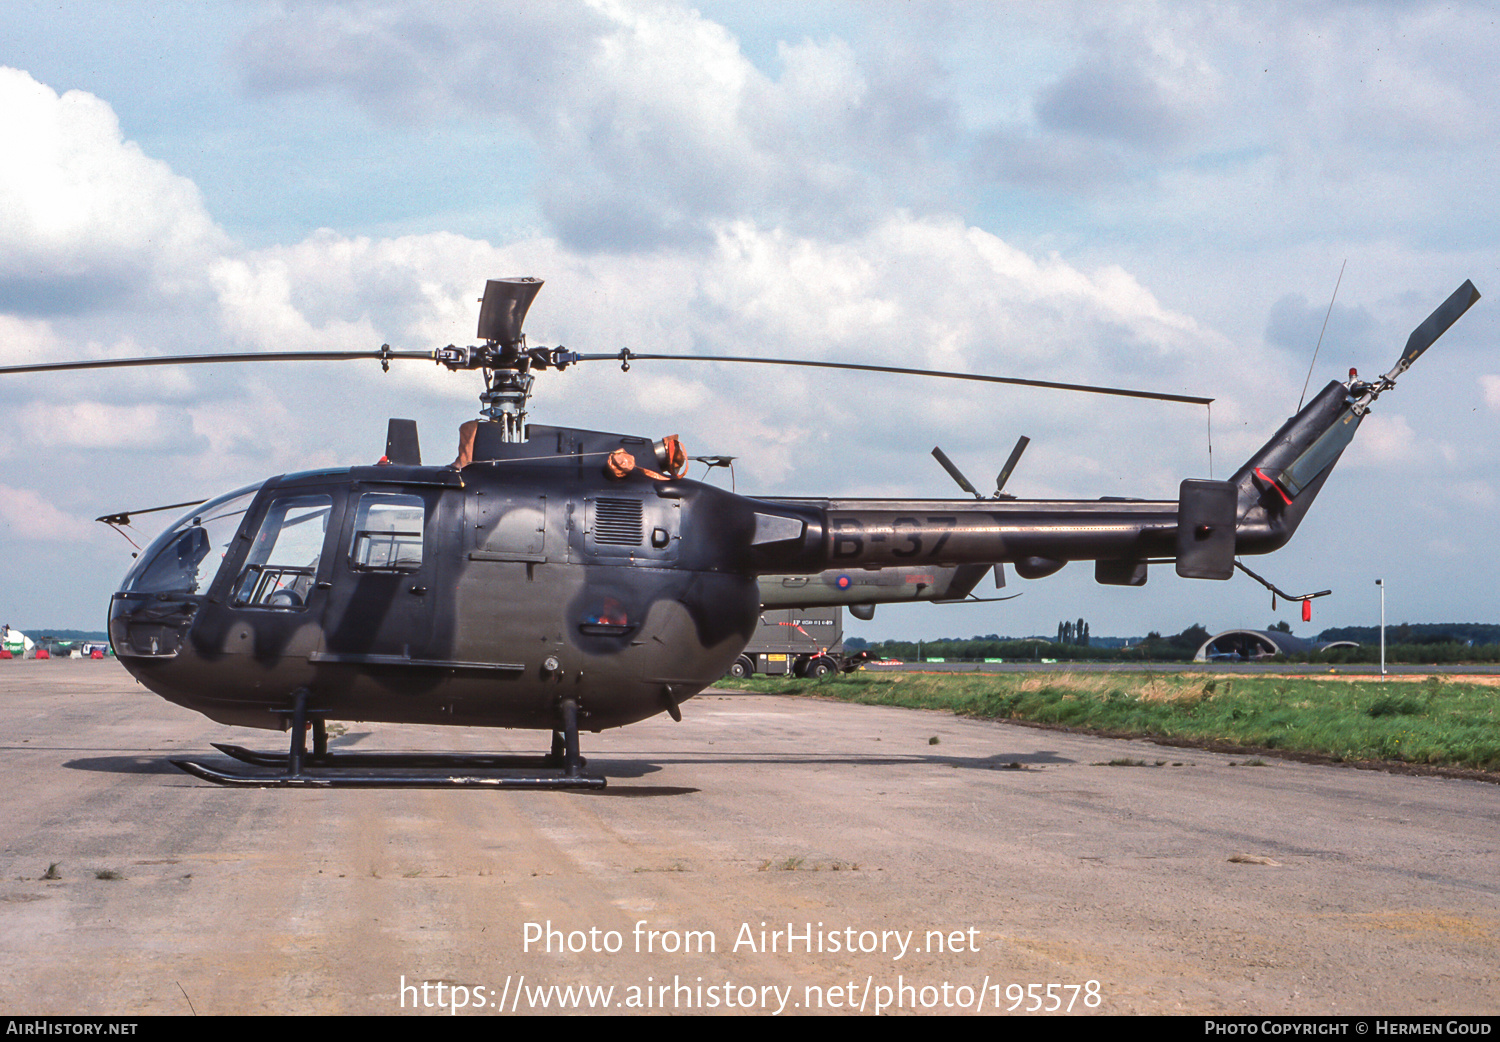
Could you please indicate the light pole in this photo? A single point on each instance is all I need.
(1381, 583)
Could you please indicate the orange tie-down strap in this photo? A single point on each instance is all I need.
(621, 463)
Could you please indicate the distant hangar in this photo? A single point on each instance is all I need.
(1249, 645)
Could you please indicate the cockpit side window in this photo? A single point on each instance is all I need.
(185, 558)
(283, 562)
(388, 533)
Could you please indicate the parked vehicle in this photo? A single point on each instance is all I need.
(800, 642)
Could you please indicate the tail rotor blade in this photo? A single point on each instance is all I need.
(1425, 335)
(954, 473)
(1010, 464)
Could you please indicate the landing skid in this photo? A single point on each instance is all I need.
(441, 761)
(334, 779)
(321, 769)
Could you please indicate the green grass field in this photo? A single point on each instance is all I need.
(1432, 721)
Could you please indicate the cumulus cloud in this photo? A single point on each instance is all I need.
(1112, 96)
(650, 120)
(102, 426)
(1413, 74)
(1385, 440)
(1141, 90)
(25, 341)
(940, 293)
(86, 218)
(933, 293)
(650, 125)
(1490, 383)
(1343, 332)
(26, 514)
(413, 64)
(1477, 493)
(1330, 126)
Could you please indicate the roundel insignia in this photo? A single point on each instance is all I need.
(843, 582)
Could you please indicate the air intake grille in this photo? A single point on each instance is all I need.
(617, 522)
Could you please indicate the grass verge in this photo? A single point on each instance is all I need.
(1433, 722)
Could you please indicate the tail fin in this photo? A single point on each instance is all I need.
(1278, 484)
(1272, 492)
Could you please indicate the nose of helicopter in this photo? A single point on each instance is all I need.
(151, 611)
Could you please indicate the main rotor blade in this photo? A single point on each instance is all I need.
(631, 356)
(248, 356)
(1437, 323)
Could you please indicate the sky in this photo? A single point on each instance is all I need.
(1153, 195)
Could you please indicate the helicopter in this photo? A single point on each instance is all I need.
(568, 580)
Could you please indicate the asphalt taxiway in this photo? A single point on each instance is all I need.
(731, 866)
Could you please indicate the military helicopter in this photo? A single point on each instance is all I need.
(566, 580)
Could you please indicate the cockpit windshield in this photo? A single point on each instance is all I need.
(184, 558)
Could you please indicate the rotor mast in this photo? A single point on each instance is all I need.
(504, 401)
(502, 313)
(504, 357)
